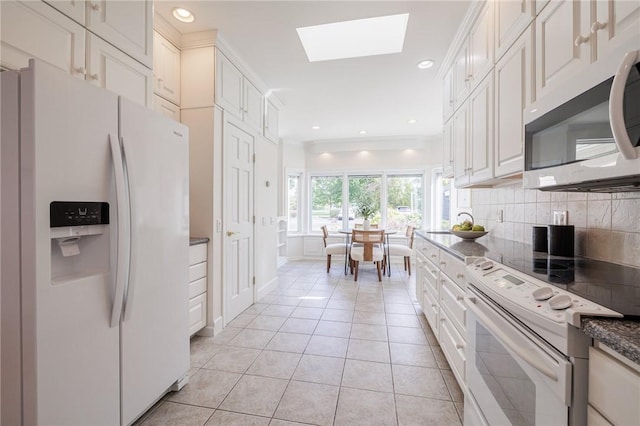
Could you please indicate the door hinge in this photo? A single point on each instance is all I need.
(254, 280)
(254, 158)
(254, 219)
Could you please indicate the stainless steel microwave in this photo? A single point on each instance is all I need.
(592, 141)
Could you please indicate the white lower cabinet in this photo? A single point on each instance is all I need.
(197, 287)
(614, 388)
(111, 69)
(35, 30)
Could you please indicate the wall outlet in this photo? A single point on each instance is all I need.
(500, 216)
(560, 217)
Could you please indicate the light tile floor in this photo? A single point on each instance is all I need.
(320, 349)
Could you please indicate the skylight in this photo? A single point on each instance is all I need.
(352, 39)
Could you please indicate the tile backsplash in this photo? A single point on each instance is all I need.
(607, 225)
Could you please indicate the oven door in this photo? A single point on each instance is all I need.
(514, 377)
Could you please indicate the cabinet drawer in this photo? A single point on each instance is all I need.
(454, 268)
(452, 300)
(431, 252)
(614, 389)
(197, 313)
(431, 311)
(197, 271)
(452, 345)
(198, 287)
(197, 253)
(430, 281)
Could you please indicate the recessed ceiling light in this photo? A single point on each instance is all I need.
(183, 15)
(363, 132)
(353, 39)
(412, 121)
(315, 127)
(427, 63)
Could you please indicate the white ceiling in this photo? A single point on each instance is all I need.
(377, 93)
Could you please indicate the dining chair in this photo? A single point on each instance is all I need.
(367, 246)
(360, 226)
(404, 250)
(330, 249)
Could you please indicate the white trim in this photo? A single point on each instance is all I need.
(166, 30)
(207, 331)
(263, 290)
(198, 39)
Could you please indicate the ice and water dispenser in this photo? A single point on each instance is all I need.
(79, 239)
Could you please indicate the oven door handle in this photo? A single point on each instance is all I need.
(529, 357)
(616, 106)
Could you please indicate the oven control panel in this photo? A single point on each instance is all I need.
(533, 295)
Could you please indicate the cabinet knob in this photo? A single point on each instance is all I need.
(580, 40)
(459, 298)
(230, 234)
(80, 70)
(95, 6)
(459, 275)
(443, 263)
(597, 26)
(434, 256)
(95, 76)
(459, 346)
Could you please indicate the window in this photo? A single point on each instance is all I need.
(404, 201)
(364, 191)
(442, 188)
(293, 199)
(326, 202)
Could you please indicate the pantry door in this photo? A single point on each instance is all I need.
(238, 219)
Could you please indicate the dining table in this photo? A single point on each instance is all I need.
(348, 232)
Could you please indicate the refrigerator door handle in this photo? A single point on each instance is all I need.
(123, 249)
(130, 292)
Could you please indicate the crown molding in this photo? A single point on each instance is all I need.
(199, 39)
(166, 30)
(367, 144)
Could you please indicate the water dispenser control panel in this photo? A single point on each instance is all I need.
(78, 213)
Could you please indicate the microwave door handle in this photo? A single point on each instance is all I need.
(529, 357)
(616, 106)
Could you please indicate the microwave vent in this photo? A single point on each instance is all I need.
(625, 184)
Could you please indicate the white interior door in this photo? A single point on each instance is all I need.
(238, 218)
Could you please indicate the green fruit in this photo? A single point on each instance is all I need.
(466, 226)
(479, 228)
(455, 228)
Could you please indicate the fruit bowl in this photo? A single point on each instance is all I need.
(469, 235)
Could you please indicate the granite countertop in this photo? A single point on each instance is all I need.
(622, 335)
(198, 240)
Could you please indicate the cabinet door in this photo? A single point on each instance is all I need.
(617, 24)
(447, 94)
(166, 69)
(481, 131)
(511, 19)
(166, 108)
(271, 121)
(228, 86)
(111, 69)
(460, 75)
(460, 135)
(481, 46)
(447, 149)
(197, 313)
(513, 81)
(74, 9)
(128, 25)
(252, 105)
(34, 30)
(563, 47)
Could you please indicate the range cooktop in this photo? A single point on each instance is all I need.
(614, 286)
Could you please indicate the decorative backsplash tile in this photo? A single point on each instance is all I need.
(607, 225)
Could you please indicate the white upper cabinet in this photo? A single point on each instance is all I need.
(74, 9)
(125, 24)
(166, 108)
(617, 23)
(460, 146)
(270, 121)
(111, 69)
(447, 149)
(252, 105)
(513, 93)
(35, 30)
(460, 75)
(481, 58)
(562, 43)
(512, 17)
(447, 94)
(228, 91)
(480, 151)
(166, 69)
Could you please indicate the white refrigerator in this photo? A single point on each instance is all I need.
(95, 236)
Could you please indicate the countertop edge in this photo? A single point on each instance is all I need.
(621, 335)
(198, 240)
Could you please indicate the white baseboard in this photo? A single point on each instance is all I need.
(266, 288)
(207, 331)
(217, 325)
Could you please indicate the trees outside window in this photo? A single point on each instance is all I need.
(326, 202)
(364, 190)
(293, 199)
(404, 201)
